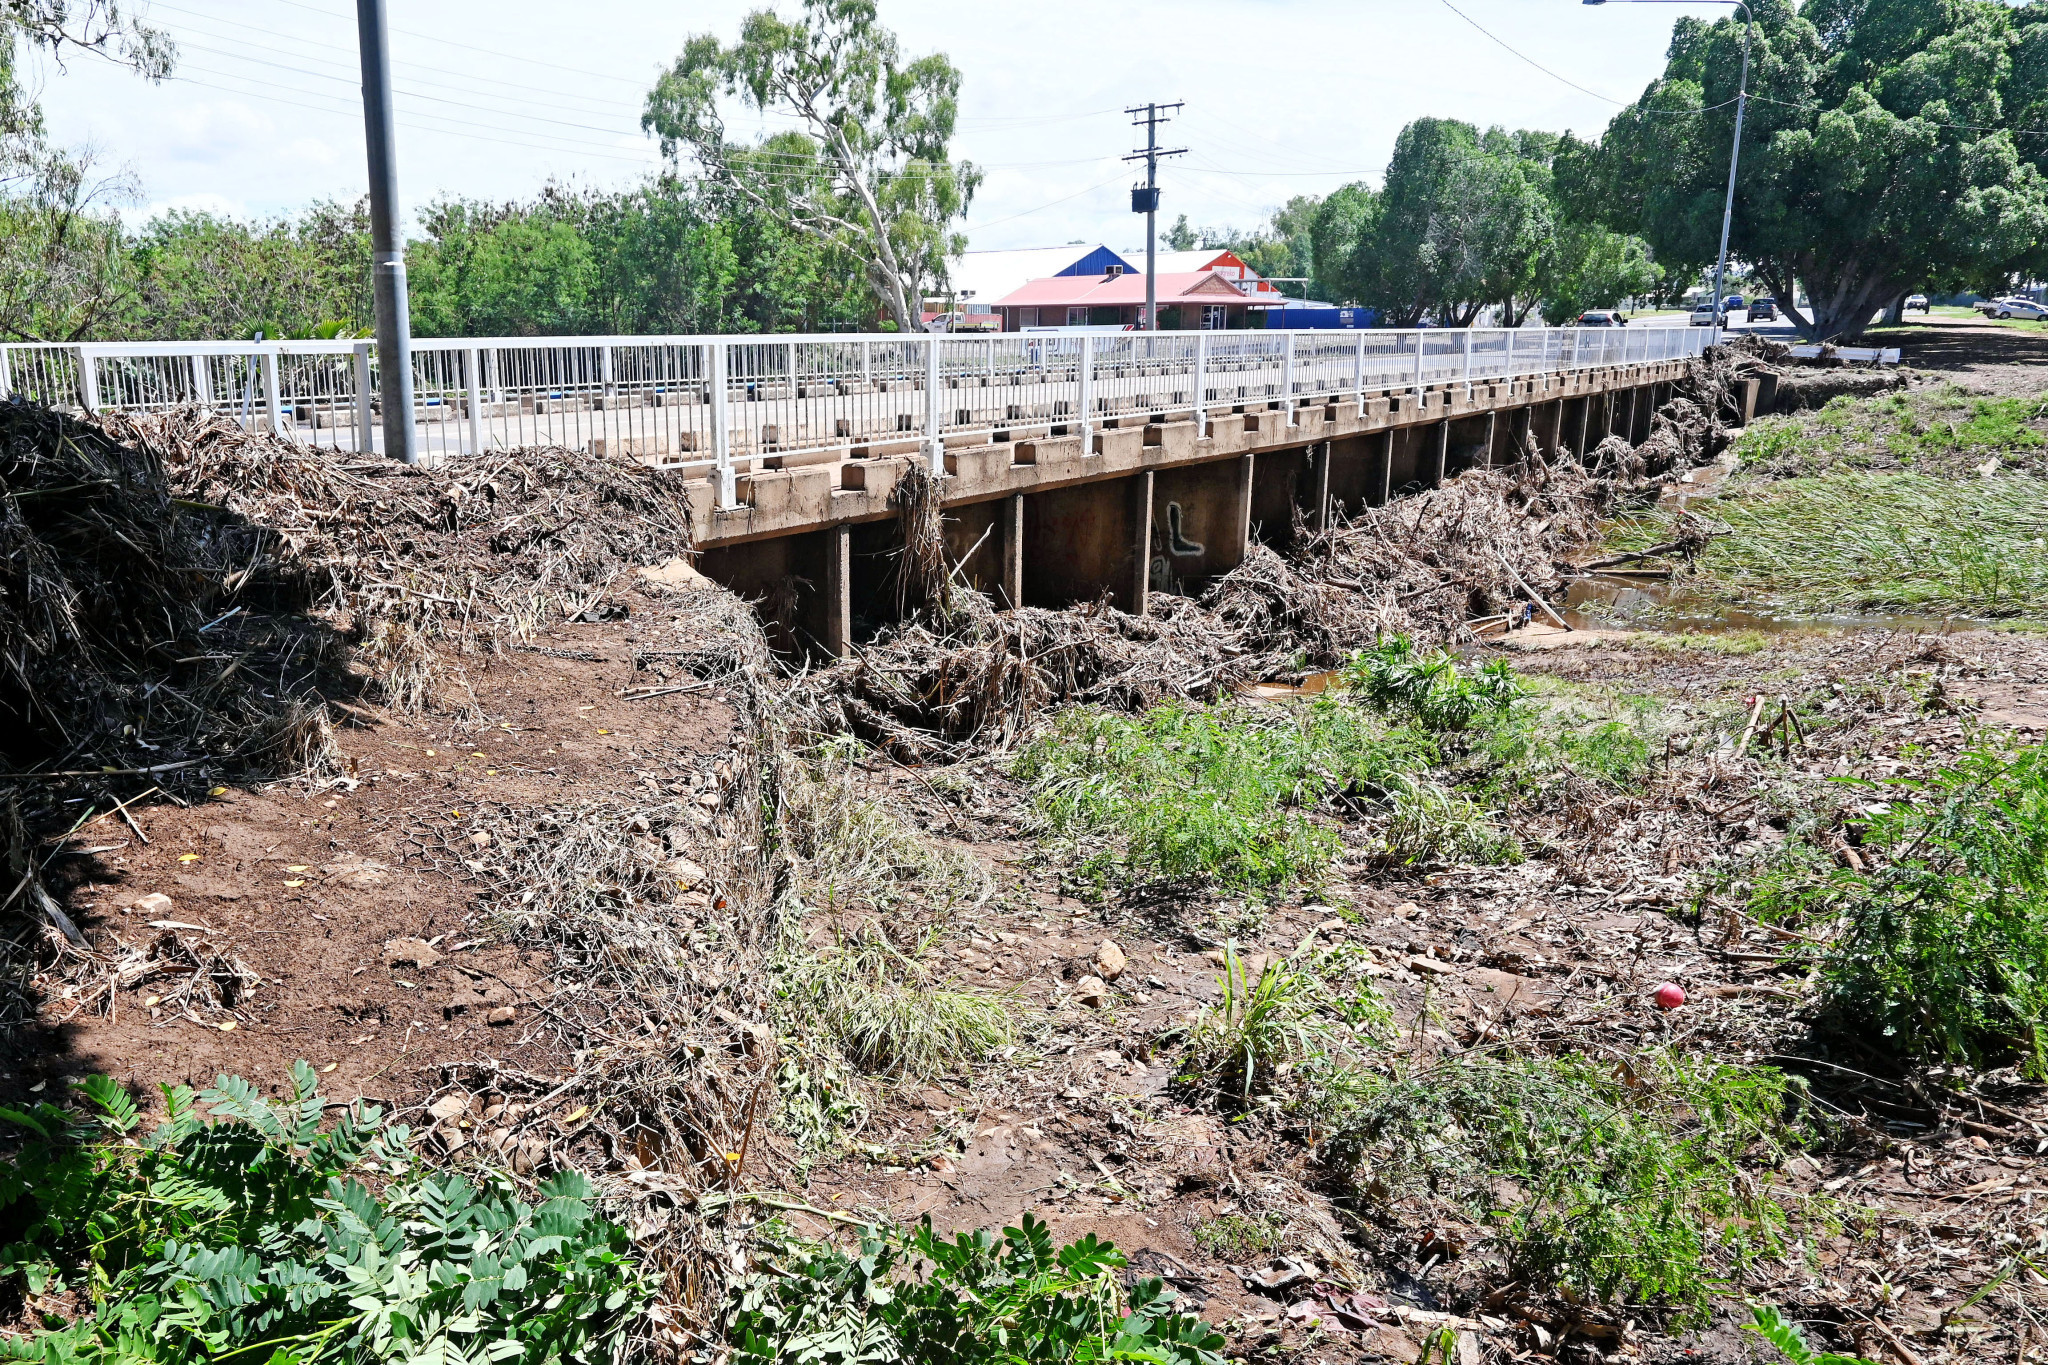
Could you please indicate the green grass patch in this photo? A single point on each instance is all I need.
(981, 1298)
(1864, 542)
(888, 1009)
(1622, 1182)
(1728, 643)
(1227, 795)
(245, 1229)
(1945, 430)
(1238, 1238)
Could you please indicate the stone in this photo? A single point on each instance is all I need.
(1431, 967)
(156, 905)
(1109, 960)
(686, 873)
(414, 952)
(675, 573)
(1407, 910)
(504, 1014)
(1091, 991)
(449, 1107)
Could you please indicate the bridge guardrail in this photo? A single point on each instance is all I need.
(721, 404)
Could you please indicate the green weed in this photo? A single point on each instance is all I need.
(1431, 689)
(885, 1009)
(1943, 944)
(1618, 1183)
(979, 1299)
(243, 1228)
(1227, 795)
(1237, 1238)
(1262, 1024)
(1266, 1025)
(1772, 1326)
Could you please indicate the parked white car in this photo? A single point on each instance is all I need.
(2013, 308)
(1704, 316)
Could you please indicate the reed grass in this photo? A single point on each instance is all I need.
(1852, 541)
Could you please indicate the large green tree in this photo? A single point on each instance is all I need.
(196, 276)
(63, 273)
(871, 169)
(1880, 153)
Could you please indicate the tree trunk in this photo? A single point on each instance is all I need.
(1895, 316)
(1843, 300)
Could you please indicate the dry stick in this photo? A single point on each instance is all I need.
(115, 772)
(1520, 582)
(1754, 711)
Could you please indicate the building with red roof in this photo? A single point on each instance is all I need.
(1189, 301)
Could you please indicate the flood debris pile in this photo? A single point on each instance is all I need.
(957, 676)
(411, 563)
(138, 644)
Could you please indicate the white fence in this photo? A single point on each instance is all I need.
(721, 404)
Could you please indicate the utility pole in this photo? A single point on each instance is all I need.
(387, 239)
(1145, 197)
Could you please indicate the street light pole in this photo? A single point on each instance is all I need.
(1735, 151)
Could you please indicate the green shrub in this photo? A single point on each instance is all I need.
(1609, 1183)
(1943, 948)
(911, 1295)
(249, 1232)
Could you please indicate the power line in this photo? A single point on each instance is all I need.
(1526, 58)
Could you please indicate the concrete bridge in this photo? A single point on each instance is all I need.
(1074, 466)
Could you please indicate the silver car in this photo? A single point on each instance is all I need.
(1705, 316)
(2016, 308)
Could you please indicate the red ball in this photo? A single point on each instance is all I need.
(1670, 995)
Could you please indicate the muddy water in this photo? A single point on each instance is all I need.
(1629, 602)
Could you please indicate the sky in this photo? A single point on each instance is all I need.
(497, 97)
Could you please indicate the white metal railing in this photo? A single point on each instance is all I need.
(731, 405)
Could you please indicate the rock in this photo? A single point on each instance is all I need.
(1109, 960)
(449, 1107)
(1091, 991)
(415, 952)
(504, 1014)
(357, 872)
(1431, 967)
(1407, 910)
(155, 905)
(1330, 928)
(479, 838)
(686, 873)
(1215, 957)
(675, 573)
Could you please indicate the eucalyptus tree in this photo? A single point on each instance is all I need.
(867, 164)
